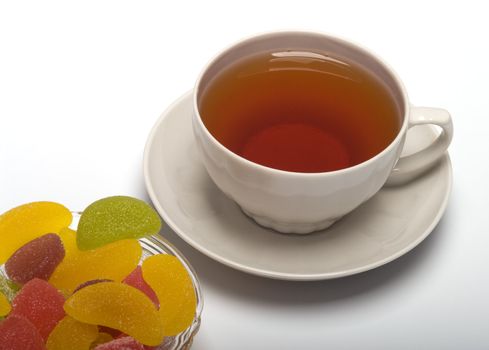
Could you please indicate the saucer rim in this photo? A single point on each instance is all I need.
(269, 273)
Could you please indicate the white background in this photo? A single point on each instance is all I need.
(82, 83)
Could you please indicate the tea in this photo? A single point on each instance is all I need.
(300, 111)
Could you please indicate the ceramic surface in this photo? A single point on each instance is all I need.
(387, 226)
(301, 203)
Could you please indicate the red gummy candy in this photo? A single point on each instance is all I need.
(145, 347)
(16, 332)
(36, 259)
(136, 280)
(41, 304)
(125, 343)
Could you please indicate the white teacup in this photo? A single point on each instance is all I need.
(292, 202)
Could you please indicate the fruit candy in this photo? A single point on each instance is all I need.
(135, 279)
(125, 343)
(71, 334)
(120, 306)
(36, 259)
(26, 222)
(114, 218)
(17, 333)
(4, 305)
(170, 280)
(8, 288)
(68, 238)
(102, 338)
(41, 304)
(113, 261)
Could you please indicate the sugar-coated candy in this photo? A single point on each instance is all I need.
(68, 238)
(102, 338)
(26, 222)
(114, 218)
(41, 304)
(173, 286)
(7, 287)
(71, 334)
(125, 343)
(120, 306)
(113, 261)
(35, 259)
(4, 305)
(135, 279)
(18, 333)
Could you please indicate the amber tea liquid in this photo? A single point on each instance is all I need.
(300, 111)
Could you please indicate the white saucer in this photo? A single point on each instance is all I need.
(389, 225)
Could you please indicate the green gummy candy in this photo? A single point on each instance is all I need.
(114, 218)
(7, 287)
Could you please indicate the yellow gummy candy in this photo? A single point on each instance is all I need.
(113, 261)
(4, 305)
(172, 284)
(120, 306)
(26, 222)
(71, 334)
(68, 237)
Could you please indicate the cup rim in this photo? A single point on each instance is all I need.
(346, 42)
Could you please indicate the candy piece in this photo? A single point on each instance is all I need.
(36, 259)
(102, 338)
(118, 306)
(41, 304)
(4, 305)
(170, 280)
(114, 218)
(135, 279)
(165, 345)
(125, 343)
(113, 261)
(8, 288)
(26, 222)
(71, 334)
(17, 333)
(68, 237)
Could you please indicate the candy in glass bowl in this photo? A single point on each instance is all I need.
(101, 279)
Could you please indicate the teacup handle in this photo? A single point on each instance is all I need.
(409, 167)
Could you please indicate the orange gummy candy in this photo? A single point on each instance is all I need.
(71, 334)
(120, 306)
(26, 222)
(172, 284)
(113, 261)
